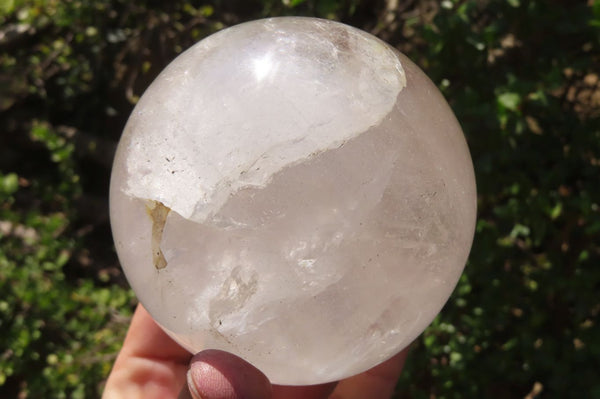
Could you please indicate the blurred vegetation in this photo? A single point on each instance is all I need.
(522, 77)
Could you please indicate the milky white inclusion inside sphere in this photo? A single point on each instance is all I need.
(296, 192)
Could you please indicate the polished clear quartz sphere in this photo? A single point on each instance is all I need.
(297, 192)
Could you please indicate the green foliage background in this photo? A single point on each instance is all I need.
(522, 77)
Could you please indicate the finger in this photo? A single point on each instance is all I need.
(378, 382)
(150, 364)
(304, 392)
(216, 374)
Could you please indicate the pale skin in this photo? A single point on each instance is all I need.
(151, 365)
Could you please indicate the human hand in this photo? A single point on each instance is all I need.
(151, 365)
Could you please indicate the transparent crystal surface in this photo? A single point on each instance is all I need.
(296, 192)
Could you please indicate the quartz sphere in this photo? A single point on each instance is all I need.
(297, 192)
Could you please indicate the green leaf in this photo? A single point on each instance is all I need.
(510, 101)
(293, 3)
(519, 230)
(6, 7)
(9, 183)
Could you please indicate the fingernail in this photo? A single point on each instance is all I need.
(192, 385)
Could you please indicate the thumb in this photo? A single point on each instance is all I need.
(215, 374)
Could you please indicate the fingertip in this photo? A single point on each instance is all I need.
(378, 382)
(215, 374)
(303, 392)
